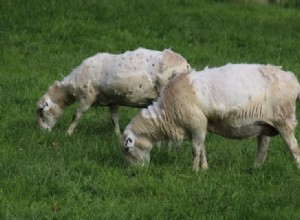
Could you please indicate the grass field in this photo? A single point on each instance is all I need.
(54, 176)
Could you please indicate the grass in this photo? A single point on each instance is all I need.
(54, 176)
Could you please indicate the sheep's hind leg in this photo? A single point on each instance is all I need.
(83, 107)
(114, 115)
(262, 149)
(292, 143)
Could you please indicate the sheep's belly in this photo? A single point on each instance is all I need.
(243, 131)
(124, 100)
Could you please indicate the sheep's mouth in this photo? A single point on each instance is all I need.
(44, 127)
(142, 161)
(129, 158)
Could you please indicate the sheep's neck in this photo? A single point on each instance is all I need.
(157, 128)
(61, 96)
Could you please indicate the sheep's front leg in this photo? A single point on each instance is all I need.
(199, 152)
(262, 149)
(83, 107)
(114, 115)
(204, 164)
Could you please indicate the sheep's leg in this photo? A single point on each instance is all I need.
(292, 143)
(204, 164)
(199, 149)
(113, 111)
(262, 149)
(83, 107)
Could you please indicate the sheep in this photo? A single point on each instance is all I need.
(132, 79)
(236, 101)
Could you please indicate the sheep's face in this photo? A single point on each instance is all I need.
(47, 112)
(136, 149)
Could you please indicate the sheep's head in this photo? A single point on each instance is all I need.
(47, 112)
(135, 148)
(51, 105)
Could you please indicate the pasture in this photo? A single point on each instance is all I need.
(55, 176)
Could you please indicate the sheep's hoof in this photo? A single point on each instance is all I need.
(196, 168)
(257, 164)
(69, 133)
(118, 135)
(204, 166)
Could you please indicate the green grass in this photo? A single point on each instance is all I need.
(54, 176)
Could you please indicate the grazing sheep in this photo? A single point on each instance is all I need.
(235, 101)
(132, 79)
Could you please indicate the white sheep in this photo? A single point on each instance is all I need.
(235, 101)
(134, 79)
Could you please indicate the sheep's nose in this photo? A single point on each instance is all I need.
(126, 149)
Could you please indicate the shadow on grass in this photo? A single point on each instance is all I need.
(95, 127)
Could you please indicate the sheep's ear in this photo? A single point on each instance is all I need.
(171, 59)
(130, 142)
